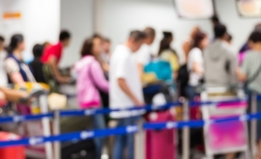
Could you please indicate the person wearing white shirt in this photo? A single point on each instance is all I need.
(3, 54)
(196, 64)
(144, 54)
(125, 90)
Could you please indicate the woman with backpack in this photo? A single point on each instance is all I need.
(167, 53)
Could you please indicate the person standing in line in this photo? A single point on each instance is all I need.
(196, 64)
(250, 73)
(106, 55)
(186, 46)
(18, 72)
(53, 53)
(144, 54)
(220, 61)
(168, 54)
(36, 65)
(125, 90)
(90, 80)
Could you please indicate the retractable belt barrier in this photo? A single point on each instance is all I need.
(83, 135)
(121, 130)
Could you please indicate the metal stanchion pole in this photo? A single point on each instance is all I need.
(46, 126)
(253, 124)
(56, 131)
(185, 132)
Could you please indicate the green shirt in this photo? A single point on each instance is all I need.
(251, 64)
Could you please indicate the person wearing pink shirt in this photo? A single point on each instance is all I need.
(90, 79)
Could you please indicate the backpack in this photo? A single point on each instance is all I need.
(182, 79)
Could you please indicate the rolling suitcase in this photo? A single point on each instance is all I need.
(160, 138)
(16, 152)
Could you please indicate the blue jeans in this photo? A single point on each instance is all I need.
(98, 123)
(124, 141)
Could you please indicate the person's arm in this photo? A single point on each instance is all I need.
(53, 64)
(241, 76)
(140, 69)
(12, 69)
(242, 72)
(196, 55)
(98, 77)
(196, 68)
(125, 88)
(233, 67)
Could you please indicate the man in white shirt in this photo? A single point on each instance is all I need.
(143, 55)
(125, 90)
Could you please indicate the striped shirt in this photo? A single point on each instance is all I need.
(251, 64)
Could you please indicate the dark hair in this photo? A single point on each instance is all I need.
(64, 35)
(96, 35)
(215, 19)
(198, 39)
(255, 36)
(14, 42)
(107, 40)
(137, 35)
(165, 42)
(149, 32)
(2, 39)
(87, 47)
(258, 27)
(38, 50)
(220, 30)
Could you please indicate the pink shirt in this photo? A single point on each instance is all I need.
(90, 78)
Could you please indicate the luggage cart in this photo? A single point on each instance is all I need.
(36, 128)
(226, 137)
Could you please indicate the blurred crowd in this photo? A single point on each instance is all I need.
(121, 78)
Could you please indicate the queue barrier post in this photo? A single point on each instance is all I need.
(56, 131)
(185, 131)
(46, 126)
(253, 124)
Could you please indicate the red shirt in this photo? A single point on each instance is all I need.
(52, 51)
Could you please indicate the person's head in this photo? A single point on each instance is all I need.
(16, 43)
(2, 43)
(46, 44)
(150, 35)
(165, 42)
(38, 50)
(200, 40)
(106, 45)
(258, 27)
(194, 31)
(254, 40)
(229, 38)
(64, 38)
(220, 31)
(96, 35)
(215, 20)
(92, 47)
(136, 39)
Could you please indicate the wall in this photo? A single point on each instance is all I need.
(121, 16)
(77, 17)
(239, 27)
(40, 20)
